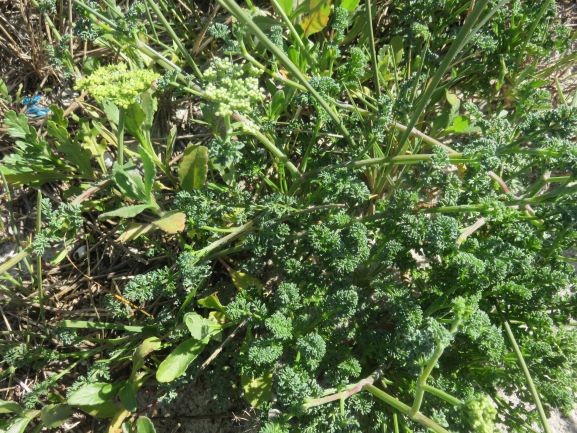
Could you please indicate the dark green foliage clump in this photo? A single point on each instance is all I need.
(320, 255)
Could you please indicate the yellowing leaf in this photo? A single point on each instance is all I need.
(315, 16)
(212, 302)
(171, 222)
(244, 281)
(134, 231)
(217, 317)
(257, 390)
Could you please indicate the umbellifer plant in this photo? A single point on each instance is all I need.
(340, 268)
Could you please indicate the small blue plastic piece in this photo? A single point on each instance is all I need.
(34, 109)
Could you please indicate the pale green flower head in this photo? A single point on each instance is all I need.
(117, 84)
(231, 87)
(482, 414)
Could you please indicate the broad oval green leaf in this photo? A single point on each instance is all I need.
(257, 390)
(193, 167)
(127, 395)
(144, 425)
(200, 327)
(111, 111)
(95, 399)
(149, 169)
(134, 231)
(54, 415)
(130, 182)
(9, 406)
(176, 363)
(16, 425)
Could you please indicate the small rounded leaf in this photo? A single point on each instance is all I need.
(144, 425)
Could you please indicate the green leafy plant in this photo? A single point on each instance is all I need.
(364, 222)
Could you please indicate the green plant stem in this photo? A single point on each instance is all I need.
(367, 384)
(94, 12)
(455, 158)
(432, 363)
(13, 261)
(239, 231)
(263, 68)
(120, 136)
(536, 22)
(236, 10)
(528, 377)
(481, 207)
(268, 144)
(210, 249)
(404, 409)
(464, 35)
(40, 287)
(175, 38)
(424, 137)
(83, 324)
(331, 395)
(292, 29)
(443, 395)
(373, 49)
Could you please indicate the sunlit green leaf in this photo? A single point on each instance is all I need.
(176, 363)
(149, 345)
(257, 390)
(96, 399)
(126, 211)
(200, 327)
(193, 167)
(287, 6)
(9, 406)
(144, 425)
(350, 5)
(212, 302)
(315, 16)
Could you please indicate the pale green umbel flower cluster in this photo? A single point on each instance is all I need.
(117, 84)
(482, 414)
(231, 87)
